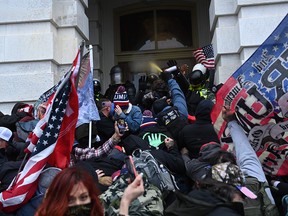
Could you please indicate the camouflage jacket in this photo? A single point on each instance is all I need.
(150, 203)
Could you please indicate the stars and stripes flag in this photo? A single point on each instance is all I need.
(47, 95)
(258, 92)
(205, 56)
(53, 137)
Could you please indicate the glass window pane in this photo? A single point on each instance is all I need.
(174, 29)
(137, 31)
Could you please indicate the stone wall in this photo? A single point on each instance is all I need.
(38, 41)
(239, 27)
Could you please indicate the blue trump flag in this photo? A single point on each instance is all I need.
(257, 91)
(87, 108)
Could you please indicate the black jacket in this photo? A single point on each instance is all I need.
(202, 203)
(105, 128)
(193, 136)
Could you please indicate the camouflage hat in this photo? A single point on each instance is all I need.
(231, 174)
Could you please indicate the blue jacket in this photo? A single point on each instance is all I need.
(178, 98)
(133, 118)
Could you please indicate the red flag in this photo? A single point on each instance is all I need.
(205, 56)
(54, 137)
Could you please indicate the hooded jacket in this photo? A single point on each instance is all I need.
(203, 203)
(193, 136)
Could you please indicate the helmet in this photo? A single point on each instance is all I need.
(116, 75)
(197, 76)
(150, 79)
(97, 85)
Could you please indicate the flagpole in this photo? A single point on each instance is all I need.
(81, 55)
(19, 170)
(91, 71)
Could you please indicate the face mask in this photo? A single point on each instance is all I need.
(79, 210)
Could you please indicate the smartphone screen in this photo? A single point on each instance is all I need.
(130, 167)
(121, 125)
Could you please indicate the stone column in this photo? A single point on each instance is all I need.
(38, 42)
(239, 27)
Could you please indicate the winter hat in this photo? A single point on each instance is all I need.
(159, 105)
(208, 150)
(147, 120)
(121, 98)
(5, 134)
(82, 134)
(198, 170)
(17, 106)
(22, 107)
(204, 109)
(231, 174)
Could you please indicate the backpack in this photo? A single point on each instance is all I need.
(262, 205)
(148, 204)
(24, 128)
(156, 173)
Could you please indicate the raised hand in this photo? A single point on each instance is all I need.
(142, 83)
(172, 62)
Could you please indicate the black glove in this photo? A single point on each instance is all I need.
(142, 83)
(165, 76)
(216, 88)
(172, 62)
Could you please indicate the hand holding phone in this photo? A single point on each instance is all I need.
(121, 126)
(131, 168)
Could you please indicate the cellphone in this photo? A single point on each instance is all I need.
(130, 167)
(121, 126)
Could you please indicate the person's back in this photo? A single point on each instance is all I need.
(18, 112)
(193, 136)
(105, 126)
(207, 199)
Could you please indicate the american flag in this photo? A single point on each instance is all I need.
(47, 95)
(258, 92)
(54, 137)
(205, 56)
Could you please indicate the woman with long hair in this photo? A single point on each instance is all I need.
(72, 192)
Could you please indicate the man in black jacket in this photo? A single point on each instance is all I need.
(105, 126)
(193, 136)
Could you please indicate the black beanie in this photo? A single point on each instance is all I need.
(159, 105)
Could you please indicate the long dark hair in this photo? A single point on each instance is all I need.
(222, 190)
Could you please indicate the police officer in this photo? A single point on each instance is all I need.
(97, 90)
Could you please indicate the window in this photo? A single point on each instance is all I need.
(152, 35)
(173, 29)
(156, 29)
(135, 30)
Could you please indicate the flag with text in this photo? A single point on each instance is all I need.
(258, 92)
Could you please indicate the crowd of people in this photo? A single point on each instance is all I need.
(168, 115)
